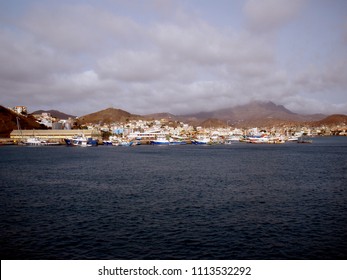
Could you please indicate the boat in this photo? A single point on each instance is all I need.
(264, 139)
(232, 139)
(81, 141)
(276, 140)
(302, 140)
(35, 141)
(160, 140)
(177, 142)
(292, 138)
(125, 143)
(201, 140)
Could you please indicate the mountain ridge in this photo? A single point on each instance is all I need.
(254, 113)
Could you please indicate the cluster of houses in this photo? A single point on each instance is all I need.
(147, 130)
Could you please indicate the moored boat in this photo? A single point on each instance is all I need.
(258, 139)
(35, 141)
(202, 140)
(125, 143)
(81, 141)
(161, 140)
(177, 142)
(304, 141)
(232, 139)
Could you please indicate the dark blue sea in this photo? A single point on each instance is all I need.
(240, 201)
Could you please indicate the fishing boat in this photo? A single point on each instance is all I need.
(160, 140)
(81, 141)
(201, 140)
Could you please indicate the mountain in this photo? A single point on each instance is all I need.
(107, 116)
(252, 114)
(55, 114)
(8, 122)
(255, 113)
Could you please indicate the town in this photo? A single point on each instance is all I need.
(163, 131)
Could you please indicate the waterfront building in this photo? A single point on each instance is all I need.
(52, 134)
(23, 110)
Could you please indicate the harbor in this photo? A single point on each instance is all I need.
(157, 137)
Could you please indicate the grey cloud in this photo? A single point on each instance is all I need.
(84, 58)
(128, 65)
(307, 105)
(27, 61)
(79, 28)
(329, 77)
(268, 15)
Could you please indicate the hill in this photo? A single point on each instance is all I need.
(109, 115)
(55, 114)
(332, 120)
(8, 122)
(253, 112)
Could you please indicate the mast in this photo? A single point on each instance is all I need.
(19, 128)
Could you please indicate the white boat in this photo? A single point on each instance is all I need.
(232, 139)
(35, 141)
(202, 140)
(81, 141)
(258, 140)
(292, 139)
(161, 140)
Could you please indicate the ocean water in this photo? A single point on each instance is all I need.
(241, 201)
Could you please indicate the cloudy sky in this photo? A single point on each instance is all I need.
(176, 56)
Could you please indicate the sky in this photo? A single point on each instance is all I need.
(176, 56)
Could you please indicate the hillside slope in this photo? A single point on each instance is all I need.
(8, 122)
